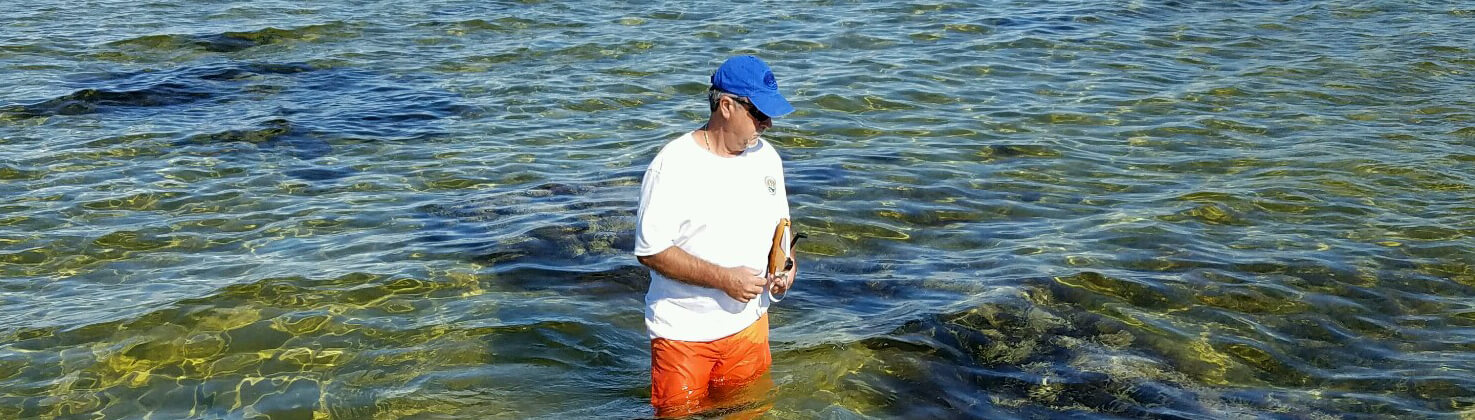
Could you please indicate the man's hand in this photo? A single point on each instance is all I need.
(785, 280)
(742, 283)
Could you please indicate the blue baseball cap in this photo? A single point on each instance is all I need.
(749, 77)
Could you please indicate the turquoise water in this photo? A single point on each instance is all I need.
(1162, 209)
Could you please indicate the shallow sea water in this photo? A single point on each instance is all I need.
(1153, 208)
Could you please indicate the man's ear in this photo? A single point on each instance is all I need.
(723, 106)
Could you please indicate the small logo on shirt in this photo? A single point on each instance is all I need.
(772, 185)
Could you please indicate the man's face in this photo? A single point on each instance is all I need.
(758, 121)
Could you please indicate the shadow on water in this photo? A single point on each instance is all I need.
(270, 134)
(571, 223)
(116, 91)
(227, 42)
(360, 102)
(297, 109)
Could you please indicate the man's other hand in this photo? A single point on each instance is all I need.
(782, 284)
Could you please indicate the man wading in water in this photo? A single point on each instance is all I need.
(708, 206)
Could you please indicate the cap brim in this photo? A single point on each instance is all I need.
(773, 105)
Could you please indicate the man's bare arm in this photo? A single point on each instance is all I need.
(742, 284)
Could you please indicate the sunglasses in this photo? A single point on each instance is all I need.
(753, 111)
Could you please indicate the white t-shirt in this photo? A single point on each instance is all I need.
(720, 209)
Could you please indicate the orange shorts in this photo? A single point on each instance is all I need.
(688, 377)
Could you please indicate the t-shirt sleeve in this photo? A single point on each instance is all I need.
(657, 222)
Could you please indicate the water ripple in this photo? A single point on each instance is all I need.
(1154, 208)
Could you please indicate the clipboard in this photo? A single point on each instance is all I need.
(780, 254)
